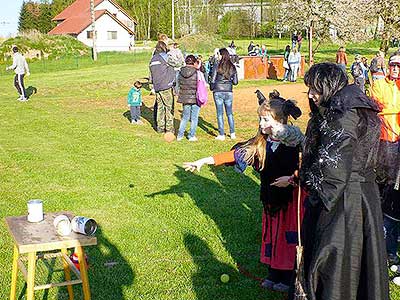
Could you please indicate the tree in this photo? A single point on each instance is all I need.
(346, 20)
(389, 12)
(235, 24)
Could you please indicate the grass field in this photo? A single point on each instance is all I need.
(170, 233)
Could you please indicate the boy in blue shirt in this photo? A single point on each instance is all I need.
(134, 102)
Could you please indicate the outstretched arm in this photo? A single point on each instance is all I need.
(218, 159)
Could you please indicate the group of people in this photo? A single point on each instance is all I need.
(350, 162)
(172, 75)
(360, 68)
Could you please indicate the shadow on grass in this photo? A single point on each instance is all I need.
(30, 90)
(232, 202)
(109, 272)
(209, 271)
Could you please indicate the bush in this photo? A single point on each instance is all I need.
(235, 24)
(34, 44)
(201, 43)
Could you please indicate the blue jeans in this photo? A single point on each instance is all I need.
(135, 113)
(391, 234)
(224, 99)
(190, 112)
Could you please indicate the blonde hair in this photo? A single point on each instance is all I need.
(255, 149)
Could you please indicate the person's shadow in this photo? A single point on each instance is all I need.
(109, 272)
(232, 202)
(207, 127)
(207, 280)
(30, 90)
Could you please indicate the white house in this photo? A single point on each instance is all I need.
(114, 27)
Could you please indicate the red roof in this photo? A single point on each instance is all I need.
(76, 17)
(75, 8)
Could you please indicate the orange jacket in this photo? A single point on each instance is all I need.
(387, 93)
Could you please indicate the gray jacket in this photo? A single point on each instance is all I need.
(162, 74)
(20, 66)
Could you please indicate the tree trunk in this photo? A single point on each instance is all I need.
(310, 49)
(149, 23)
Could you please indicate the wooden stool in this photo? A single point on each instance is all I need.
(31, 238)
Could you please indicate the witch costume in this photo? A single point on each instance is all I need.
(344, 248)
(279, 218)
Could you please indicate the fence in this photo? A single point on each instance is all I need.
(79, 62)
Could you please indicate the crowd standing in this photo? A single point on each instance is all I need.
(347, 150)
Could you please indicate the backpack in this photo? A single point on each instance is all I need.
(356, 70)
(201, 90)
(374, 66)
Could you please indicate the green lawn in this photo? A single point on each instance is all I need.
(171, 233)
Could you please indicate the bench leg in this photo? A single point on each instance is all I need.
(67, 273)
(83, 269)
(14, 274)
(30, 292)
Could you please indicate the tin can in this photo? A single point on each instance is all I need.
(84, 225)
(35, 210)
(62, 225)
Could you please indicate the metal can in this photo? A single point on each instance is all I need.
(84, 225)
(35, 210)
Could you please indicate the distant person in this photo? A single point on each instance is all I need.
(176, 60)
(187, 96)
(378, 67)
(250, 48)
(232, 45)
(286, 63)
(357, 70)
(212, 62)
(299, 41)
(341, 58)
(294, 39)
(135, 102)
(163, 78)
(294, 60)
(364, 60)
(20, 67)
(264, 53)
(224, 75)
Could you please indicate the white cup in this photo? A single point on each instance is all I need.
(35, 210)
(62, 225)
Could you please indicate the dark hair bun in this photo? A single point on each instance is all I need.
(290, 108)
(274, 94)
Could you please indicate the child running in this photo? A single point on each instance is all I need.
(276, 162)
(135, 102)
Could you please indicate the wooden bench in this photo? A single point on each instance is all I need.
(33, 240)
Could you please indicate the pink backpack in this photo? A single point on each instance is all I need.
(201, 92)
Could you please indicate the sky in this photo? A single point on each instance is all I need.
(9, 13)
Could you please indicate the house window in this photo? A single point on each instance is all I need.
(89, 34)
(112, 35)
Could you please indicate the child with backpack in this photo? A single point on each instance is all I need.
(135, 102)
(358, 70)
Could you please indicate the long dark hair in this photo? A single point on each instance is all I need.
(326, 79)
(225, 66)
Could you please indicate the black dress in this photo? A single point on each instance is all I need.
(345, 256)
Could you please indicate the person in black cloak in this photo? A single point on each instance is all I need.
(344, 249)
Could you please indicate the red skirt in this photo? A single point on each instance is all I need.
(279, 235)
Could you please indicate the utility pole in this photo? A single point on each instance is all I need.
(173, 19)
(261, 13)
(93, 30)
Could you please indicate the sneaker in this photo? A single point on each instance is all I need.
(193, 139)
(133, 122)
(139, 122)
(233, 136)
(267, 284)
(19, 98)
(280, 287)
(220, 138)
(23, 99)
(179, 138)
